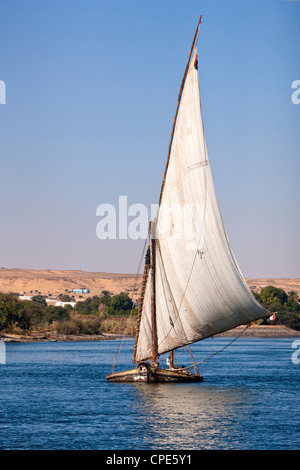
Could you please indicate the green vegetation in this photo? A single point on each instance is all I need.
(106, 304)
(9, 310)
(95, 315)
(107, 313)
(286, 306)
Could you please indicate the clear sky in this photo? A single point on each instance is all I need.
(91, 92)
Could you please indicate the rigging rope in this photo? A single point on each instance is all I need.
(220, 350)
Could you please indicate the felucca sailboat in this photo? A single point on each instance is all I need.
(192, 287)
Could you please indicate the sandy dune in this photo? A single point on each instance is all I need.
(45, 282)
(29, 282)
(283, 283)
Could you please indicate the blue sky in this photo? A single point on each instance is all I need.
(91, 92)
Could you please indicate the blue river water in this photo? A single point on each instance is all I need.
(56, 396)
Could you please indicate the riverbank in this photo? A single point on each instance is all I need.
(255, 331)
(262, 331)
(40, 337)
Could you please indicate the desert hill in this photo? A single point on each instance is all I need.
(45, 282)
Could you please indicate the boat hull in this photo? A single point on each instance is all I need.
(150, 374)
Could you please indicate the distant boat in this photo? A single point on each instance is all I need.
(193, 288)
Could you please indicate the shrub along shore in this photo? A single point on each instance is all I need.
(105, 316)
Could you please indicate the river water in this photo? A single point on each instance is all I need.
(56, 396)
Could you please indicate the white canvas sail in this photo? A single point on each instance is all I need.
(199, 289)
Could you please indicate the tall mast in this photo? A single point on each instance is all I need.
(149, 266)
(141, 300)
(153, 300)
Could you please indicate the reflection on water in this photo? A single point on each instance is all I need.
(190, 416)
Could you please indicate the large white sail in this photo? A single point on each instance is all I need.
(199, 289)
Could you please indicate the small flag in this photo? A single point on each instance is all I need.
(272, 317)
(196, 62)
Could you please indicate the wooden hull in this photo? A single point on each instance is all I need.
(150, 374)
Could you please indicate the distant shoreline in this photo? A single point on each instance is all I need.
(262, 331)
(254, 331)
(55, 282)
